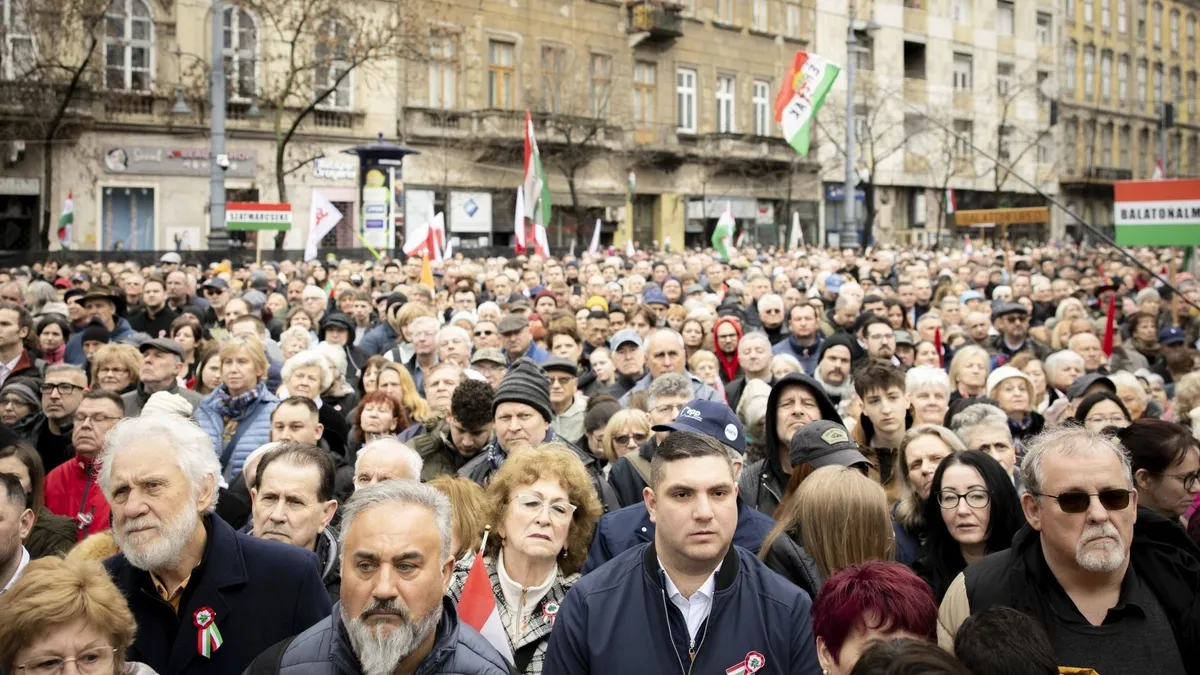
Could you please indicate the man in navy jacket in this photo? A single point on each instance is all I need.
(690, 601)
(206, 598)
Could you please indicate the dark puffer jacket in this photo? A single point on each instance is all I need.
(763, 483)
(325, 649)
(791, 561)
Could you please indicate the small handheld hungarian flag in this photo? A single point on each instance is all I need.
(477, 606)
(801, 96)
(66, 219)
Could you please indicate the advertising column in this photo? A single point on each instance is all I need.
(378, 175)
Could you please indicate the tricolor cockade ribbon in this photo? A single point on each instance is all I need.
(551, 611)
(208, 639)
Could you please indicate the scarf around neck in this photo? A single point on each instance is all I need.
(235, 407)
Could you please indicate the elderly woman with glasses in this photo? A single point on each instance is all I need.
(542, 511)
(115, 368)
(64, 613)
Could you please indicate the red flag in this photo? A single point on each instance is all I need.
(937, 344)
(1107, 344)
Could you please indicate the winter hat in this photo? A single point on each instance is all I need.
(23, 390)
(1007, 373)
(525, 383)
(164, 403)
(336, 319)
(95, 332)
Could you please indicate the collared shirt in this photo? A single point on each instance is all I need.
(7, 369)
(17, 573)
(696, 608)
(172, 597)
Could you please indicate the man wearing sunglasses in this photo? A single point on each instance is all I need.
(1113, 596)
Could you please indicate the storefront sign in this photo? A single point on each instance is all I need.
(1157, 212)
(254, 216)
(1035, 214)
(331, 170)
(170, 161)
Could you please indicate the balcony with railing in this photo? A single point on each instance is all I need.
(657, 21)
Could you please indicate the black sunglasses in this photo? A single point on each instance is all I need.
(1077, 501)
(484, 333)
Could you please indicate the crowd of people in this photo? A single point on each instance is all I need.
(976, 462)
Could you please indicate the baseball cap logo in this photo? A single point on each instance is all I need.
(834, 436)
(691, 413)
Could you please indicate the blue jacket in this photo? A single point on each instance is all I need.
(378, 339)
(631, 526)
(325, 649)
(619, 620)
(74, 352)
(533, 352)
(807, 356)
(254, 429)
(260, 591)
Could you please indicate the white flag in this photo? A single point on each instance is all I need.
(519, 222)
(594, 247)
(323, 216)
(629, 248)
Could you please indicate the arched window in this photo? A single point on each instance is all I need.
(241, 54)
(332, 56)
(128, 46)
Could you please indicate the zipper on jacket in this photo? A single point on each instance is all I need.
(670, 631)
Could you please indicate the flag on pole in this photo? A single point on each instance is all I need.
(66, 219)
(1106, 345)
(537, 189)
(722, 238)
(801, 96)
(541, 245)
(594, 247)
(323, 216)
(951, 201)
(1159, 172)
(519, 223)
(428, 239)
(477, 606)
(426, 271)
(629, 251)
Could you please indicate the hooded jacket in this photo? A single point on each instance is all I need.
(74, 354)
(730, 369)
(356, 357)
(438, 453)
(72, 491)
(763, 483)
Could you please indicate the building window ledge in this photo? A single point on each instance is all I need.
(726, 26)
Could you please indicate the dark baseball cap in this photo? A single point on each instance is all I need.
(1085, 382)
(709, 418)
(1171, 336)
(824, 443)
(216, 282)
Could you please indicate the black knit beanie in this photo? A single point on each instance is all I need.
(95, 332)
(525, 383)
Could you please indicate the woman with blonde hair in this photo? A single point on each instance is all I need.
(837, 518)
(627, 430)
(968, 372)
(115, 368)
(542, 511)
(237, 415)
(922, 450)
(62, 611)
(704, 365)
(397, 381)
(468, 505)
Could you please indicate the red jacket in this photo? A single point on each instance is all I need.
(72, 490)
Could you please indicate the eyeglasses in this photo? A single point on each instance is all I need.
(882, 336)
(1188, 479)
(625, 439)
(64, 388)
(562, 381)
(94, 419)
(976, 499)
(90, 662)
(1078, 501)
(1113, 421)
(671, 409)
(532, 505)
(484, 333)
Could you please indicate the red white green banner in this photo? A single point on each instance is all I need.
(801, 96)
(255, 216)
(1157, 212)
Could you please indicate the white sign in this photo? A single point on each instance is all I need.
(20, 186)
(331, 170)
(470, 212)
(418, 210)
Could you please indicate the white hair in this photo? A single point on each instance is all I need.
(754, 336)
(1001, 290)
(489, 305)
(308, 358)
(770, 299)
(664, 332)
(921, 377)
(313, 292)
(336, 356)
(1124, 378)
(1144, 295)
(927, 317)
(182, 440)
(1059, 359)
(449, 331)
(1066, 440)
(403, 492)
(391, 445)
(423, 320)
(295, 333)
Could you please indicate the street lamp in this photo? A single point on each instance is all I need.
(849, 235)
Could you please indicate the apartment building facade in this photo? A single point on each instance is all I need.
(1121, 61)
(650, 115)
(943, 88)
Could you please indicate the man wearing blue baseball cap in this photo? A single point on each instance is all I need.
(630, 526)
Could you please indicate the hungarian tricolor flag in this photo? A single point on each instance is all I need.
(535, 190)
(477, 606)
(66, 219)
(951, 201)
(722, 238)
(801, 96)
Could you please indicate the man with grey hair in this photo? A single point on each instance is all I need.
(772, 318)
(665, 354)
(207, 599)
(984, 427)
(754, 357)
(386, 459)
(1115, 586)
(630, 474)
(394, 616)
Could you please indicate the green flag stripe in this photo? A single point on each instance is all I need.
(1158, 234)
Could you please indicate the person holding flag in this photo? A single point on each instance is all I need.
(542, 511)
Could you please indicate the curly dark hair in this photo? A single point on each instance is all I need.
(471, 404)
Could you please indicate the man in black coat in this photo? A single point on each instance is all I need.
(206, 598)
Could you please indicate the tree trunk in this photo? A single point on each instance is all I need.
(281, 188)
(43, 240)
(868, 230)
(579, 212)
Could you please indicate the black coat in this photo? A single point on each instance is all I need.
(791, 561)
(260, 591)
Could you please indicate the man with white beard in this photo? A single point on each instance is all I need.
(1113, 596)
(206, 599)
(394, 616)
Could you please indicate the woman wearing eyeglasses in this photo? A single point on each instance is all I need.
(542, 511)
(66, 612)
(1166, 465)
(972, 510)
(1102, 410)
